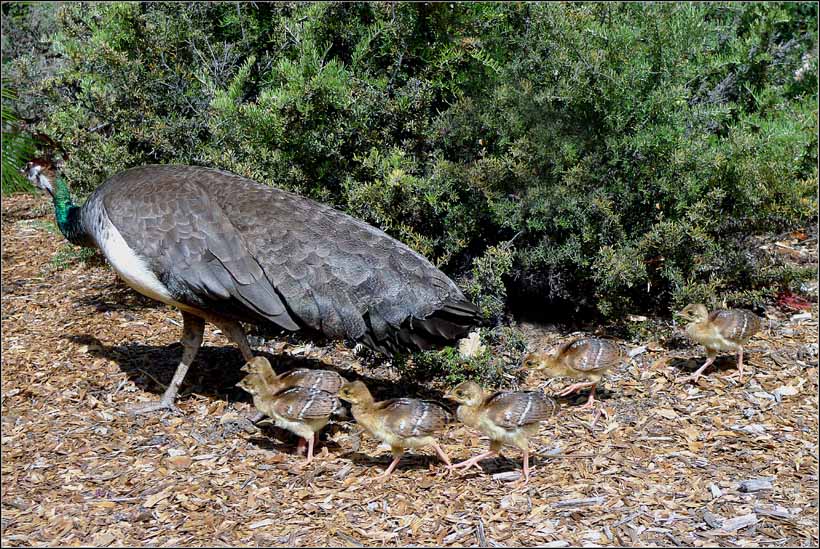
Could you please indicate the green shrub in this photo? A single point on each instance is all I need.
(498, 364)
(632, 148)
(486, 285)
(17, 148)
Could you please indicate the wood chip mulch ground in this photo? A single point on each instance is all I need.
(720, 463)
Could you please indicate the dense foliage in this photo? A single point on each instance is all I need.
(607, 156)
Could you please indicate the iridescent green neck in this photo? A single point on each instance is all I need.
(68, 215)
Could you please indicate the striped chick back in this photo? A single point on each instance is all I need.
(410, 417)
(303, 403)
(516, 409)
(735, 325)
(590, 354)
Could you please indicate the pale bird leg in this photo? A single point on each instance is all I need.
(739, 372)
(576, 387)
(193, 329)
(257, 417)
(310, 447)
(591, 400)
(389, 470)
(443, 457)
(474, 461)
(694, 377)
(234, 332)
(740, 362)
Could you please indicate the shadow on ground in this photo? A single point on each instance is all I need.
(216, 370)
(723, 364)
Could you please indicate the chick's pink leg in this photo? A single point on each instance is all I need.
(392, 466)
(310, 447)
(474, 461)
(696, 375)
(591, 400)
(575, 387)
(443, 457)
(740, 363)
(739, 373)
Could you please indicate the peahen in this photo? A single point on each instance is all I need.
(223, 249)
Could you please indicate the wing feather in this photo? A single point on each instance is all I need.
(412, 417)
(515, 409)
(303, 403)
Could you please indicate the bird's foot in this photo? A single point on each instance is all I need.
(466, 464)
(448, 471)
(735, 376)
(572, 389)
(523, 480)
(382, 477)
(588, 405)
(693, 378)
(153, 406)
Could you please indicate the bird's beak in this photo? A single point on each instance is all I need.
(448, 395)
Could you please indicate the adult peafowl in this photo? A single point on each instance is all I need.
(223, 249)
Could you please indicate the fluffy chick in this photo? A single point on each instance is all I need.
(586, 358)
(720, 330)
(401, 423)
(508, 418)
(300, 410)
(325, 380)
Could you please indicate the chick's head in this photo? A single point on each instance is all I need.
(469, 393)
(355, 392)
(256, 365)
(251, 383)
(694, 312)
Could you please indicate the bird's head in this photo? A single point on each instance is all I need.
(41, 173)
(252, 384)
(546, 362)
(469, 393)
(694, 312)
(538, 361)
(355, 392)
(257, 365)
